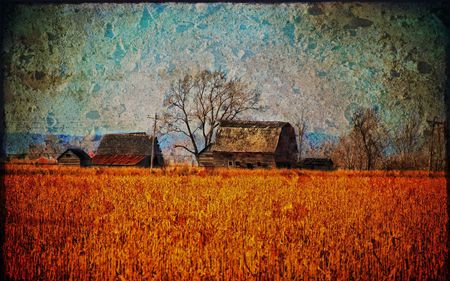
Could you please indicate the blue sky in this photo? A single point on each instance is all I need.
(102, 68)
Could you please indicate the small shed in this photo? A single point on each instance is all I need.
(252, 144)
(324, 164)
(130, 149)
(74, 156)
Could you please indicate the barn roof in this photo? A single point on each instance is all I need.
(80, 153)
(248, 136)
(121, 160)
(132, 144)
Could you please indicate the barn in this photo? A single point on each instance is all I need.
(252, 144)
(74, 156)
(324, 164)
(131, 149)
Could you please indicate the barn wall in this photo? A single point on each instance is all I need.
(145, 162)
(86, 162)
(244, 160)
(157, 161)
(206, 159)
(286, 153)
(69, 159)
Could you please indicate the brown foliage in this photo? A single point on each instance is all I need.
(187, 223)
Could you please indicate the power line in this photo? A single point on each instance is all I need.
(68, 122)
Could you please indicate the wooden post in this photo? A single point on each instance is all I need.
(433, 123)
(153, 141)
(438, 162)
(430, 160)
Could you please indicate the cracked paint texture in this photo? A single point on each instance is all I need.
(92, 69)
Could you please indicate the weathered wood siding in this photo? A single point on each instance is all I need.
(252, 144)
(69, 158)
(244, 160)
(206, 159)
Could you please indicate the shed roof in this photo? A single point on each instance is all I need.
(248, 136)
(80, 153)
(120, 160)
(132, 144)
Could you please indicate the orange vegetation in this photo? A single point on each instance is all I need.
(185, 223)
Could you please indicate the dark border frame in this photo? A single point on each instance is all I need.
(442, 12)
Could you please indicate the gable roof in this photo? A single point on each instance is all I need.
(248, 136)
(78, 152)
(132, 144)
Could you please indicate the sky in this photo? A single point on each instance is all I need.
(92, 69)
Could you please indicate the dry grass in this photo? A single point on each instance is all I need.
(187, 223)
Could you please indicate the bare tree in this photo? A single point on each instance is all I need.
(435, 145)
(51, 147)
(348, 152)
(406, 141)
(197, 103)
(367, 131)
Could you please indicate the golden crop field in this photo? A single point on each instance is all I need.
(68, 223)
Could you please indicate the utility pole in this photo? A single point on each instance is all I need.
(433, 123)
(153, 139)
(430, 159)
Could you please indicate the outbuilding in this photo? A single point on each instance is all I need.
(130, 149)
(324, 164)
(74, 156)
(252, 144)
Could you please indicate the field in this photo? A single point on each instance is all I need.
(184, 223)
